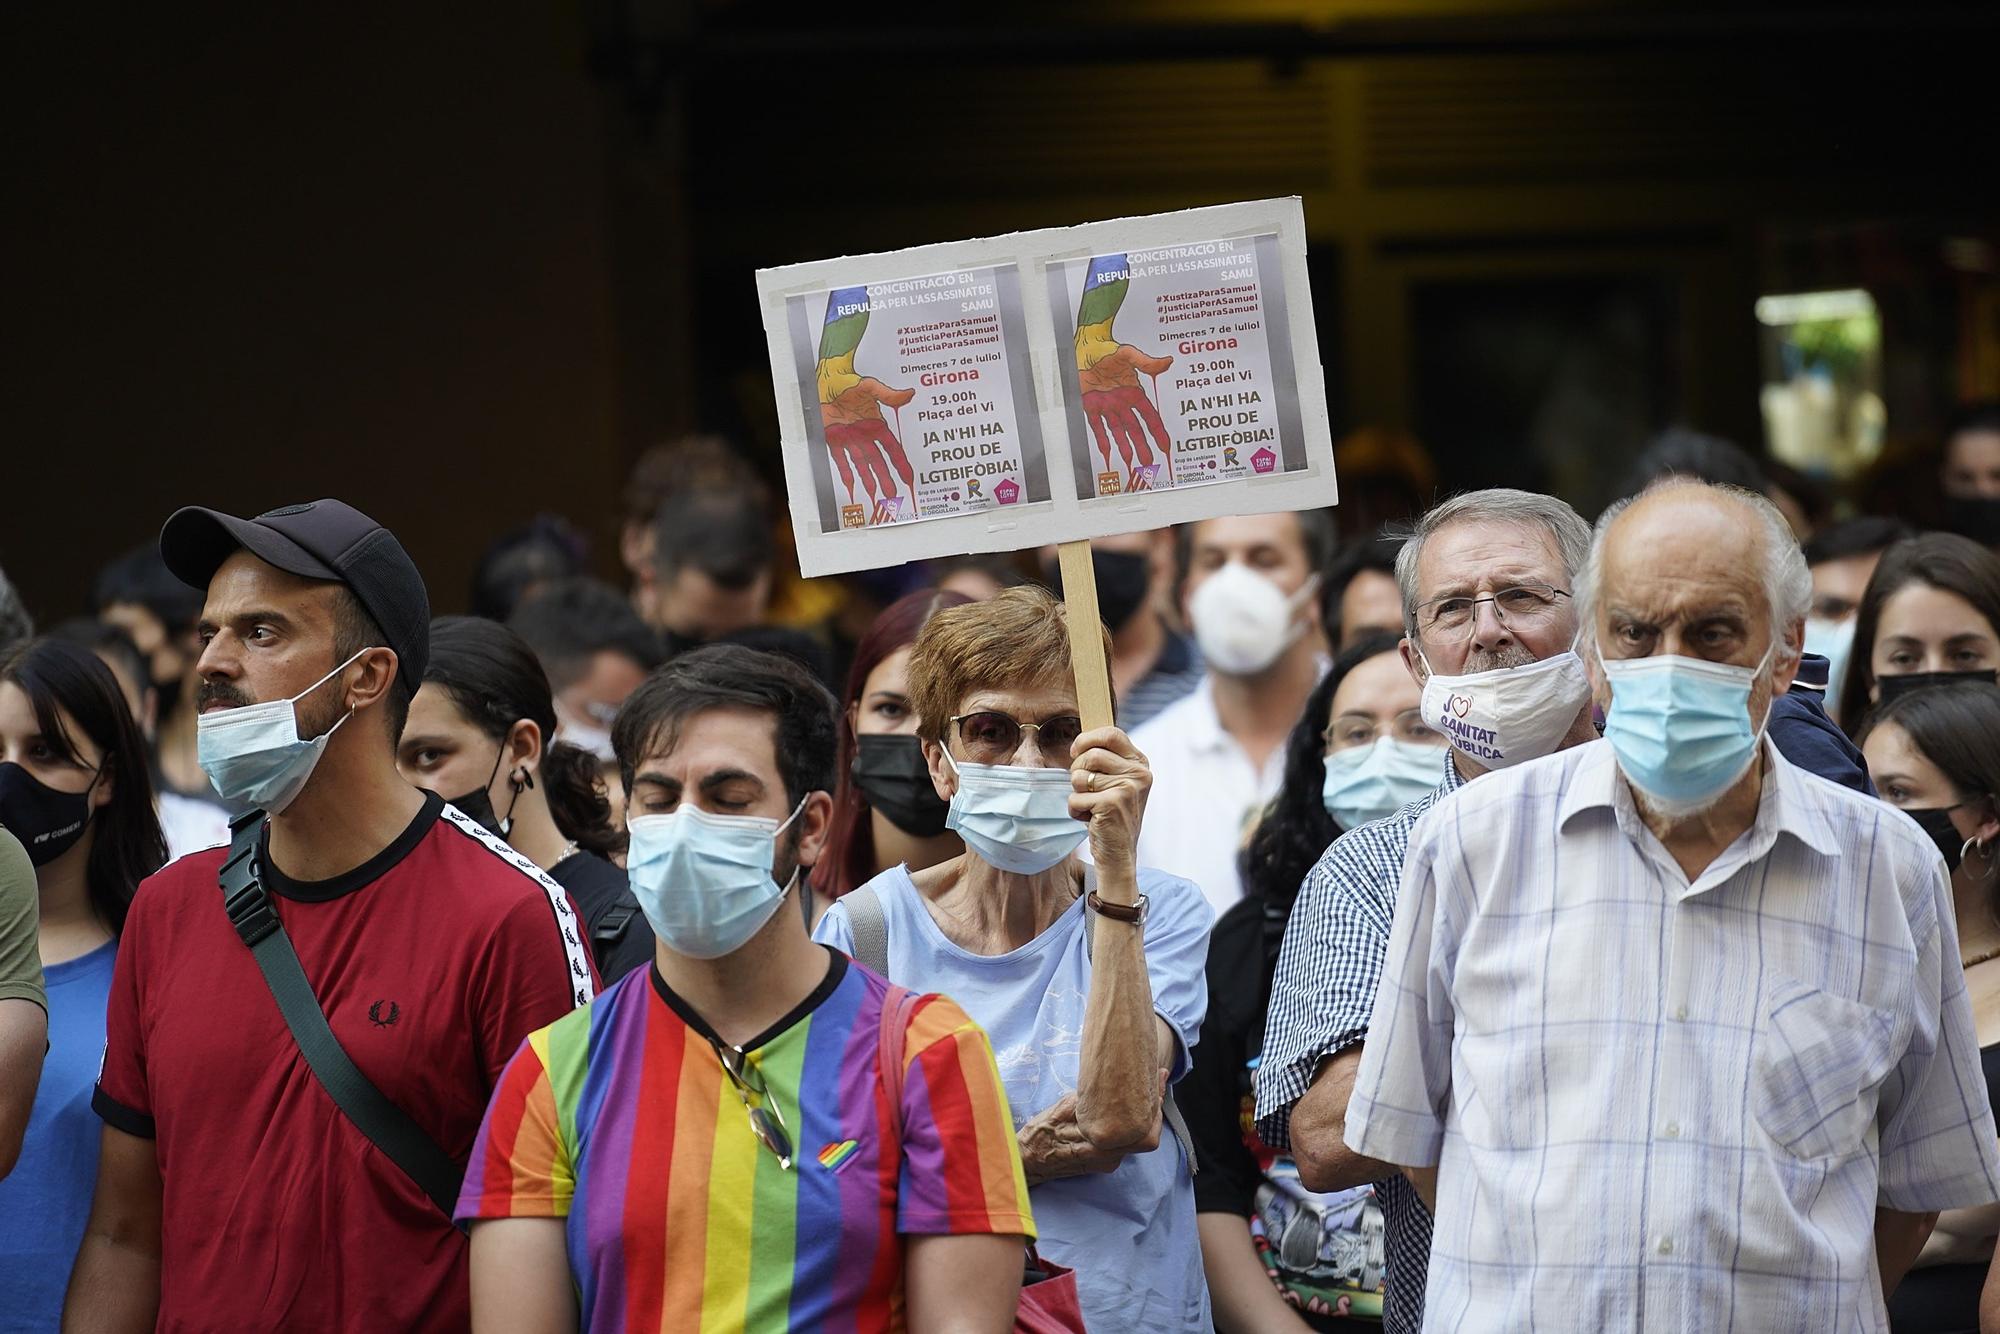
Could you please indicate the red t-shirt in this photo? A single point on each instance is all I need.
(432, 961)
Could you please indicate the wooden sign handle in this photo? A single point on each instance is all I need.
(1086, 635)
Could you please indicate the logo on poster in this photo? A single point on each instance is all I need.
(972, 491)
(1144, 476)
(1108, 484)
(888, 509)
(1264, 460)
(1007, 491)
(1229, 458)
(853, 516)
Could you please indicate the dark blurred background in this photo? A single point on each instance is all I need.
(460, 264)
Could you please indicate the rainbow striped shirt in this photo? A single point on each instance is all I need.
(619, 1119)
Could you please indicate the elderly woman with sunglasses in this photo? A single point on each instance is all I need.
(1087, 975)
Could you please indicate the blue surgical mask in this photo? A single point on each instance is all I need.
(704, 881)
(254, 756)
(1681, 726)
(1366, 783)
(1014, 817)
(1834, 641)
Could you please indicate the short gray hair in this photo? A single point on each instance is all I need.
(1523, 509)
(1787, 580)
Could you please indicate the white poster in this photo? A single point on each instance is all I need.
(1045, 386)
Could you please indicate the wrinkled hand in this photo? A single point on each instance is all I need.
(1053, 1146)
(1112, 780)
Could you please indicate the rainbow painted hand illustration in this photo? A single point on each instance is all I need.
(850, 410)
(1107, 372)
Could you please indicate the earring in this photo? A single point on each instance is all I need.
(1972, 845)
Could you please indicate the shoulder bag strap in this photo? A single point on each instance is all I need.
(870, 927)
(897, 1006)
(385, 1124)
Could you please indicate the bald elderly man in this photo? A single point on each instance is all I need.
(1680, 1025)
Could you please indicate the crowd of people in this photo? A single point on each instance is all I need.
(1500, 921)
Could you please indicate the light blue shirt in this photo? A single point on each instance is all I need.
(45, 1201)
(1130, 1234)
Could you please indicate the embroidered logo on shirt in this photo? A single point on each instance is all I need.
(834, 1156)
(384, 1013)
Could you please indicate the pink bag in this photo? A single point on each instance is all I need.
(1049, 1303)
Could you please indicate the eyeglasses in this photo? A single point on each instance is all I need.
(767, 1123)
(1360, 729)
(991, 737)
(1523, 604)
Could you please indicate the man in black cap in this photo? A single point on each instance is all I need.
(243, 1185)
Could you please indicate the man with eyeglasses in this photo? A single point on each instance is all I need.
(1490, 627)
(713, 1140)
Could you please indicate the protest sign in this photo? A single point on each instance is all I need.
(1049, 387)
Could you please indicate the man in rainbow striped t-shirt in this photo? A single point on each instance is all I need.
(711, 1144)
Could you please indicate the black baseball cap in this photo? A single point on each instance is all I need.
(322, 539)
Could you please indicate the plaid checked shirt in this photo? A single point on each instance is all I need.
(1658, 1105)
(1321, 1000)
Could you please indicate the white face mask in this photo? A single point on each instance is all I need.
(1014, 817)
(254, 756)
(1509, 715)
(1243, 622)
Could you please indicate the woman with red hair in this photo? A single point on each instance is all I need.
(886, 812)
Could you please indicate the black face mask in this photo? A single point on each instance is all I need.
(1936, 821)
(1892, 686)
(1976, 517)
(478, 803)
(895, 780)
(1124, 578)
(47, 822)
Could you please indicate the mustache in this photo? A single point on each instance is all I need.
(1514, 655)
(220, 692)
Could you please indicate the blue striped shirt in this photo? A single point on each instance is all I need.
(1321, 1000)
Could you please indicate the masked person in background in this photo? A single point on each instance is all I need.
(1089, 981)
(1842, 558)
(1152, 664)
(1280, 1257)
(1935, 756)
(707, 1142)
(233, 1192)
(886, 810)
(1930, 616)
(1218, 753)
(478, 736)
(139, 594)
(1674, 957)
(596, 651)
(189, 825)
(1971, 473)
(1490, 628)
(75, 790)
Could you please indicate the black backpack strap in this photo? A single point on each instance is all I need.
(610, 928)
(385, 1124)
